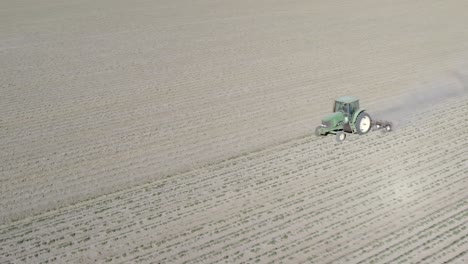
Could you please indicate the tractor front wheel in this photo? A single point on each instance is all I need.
(363, 123)
(317, 131)
(340, 136)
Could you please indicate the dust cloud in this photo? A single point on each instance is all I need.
(401, 110)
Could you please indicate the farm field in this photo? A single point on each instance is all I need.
(182, 132)
(306, 200)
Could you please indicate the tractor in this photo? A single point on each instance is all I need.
(347, 117)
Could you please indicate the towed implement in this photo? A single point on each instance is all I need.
(379, 124)
(348, 118)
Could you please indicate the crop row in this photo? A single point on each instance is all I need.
(306, 199)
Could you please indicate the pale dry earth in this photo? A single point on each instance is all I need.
(398, 197)
(100, 96)
(181, 131)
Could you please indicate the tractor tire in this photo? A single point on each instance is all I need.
(317, 131)
(340, 136)
(363, 123)
(388, 128)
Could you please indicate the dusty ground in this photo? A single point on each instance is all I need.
(172, 131)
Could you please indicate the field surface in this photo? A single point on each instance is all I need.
(182, 132)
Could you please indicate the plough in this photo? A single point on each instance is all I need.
(380, 124)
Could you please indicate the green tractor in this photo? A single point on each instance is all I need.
(348, 118)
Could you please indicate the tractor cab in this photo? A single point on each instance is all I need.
(348, 105)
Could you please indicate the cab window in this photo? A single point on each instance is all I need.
(351, 109)
(339, 106)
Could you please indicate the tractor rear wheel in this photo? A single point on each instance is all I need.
(340, 136)
(363, 123)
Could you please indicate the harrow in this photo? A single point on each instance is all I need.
(387, 126)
